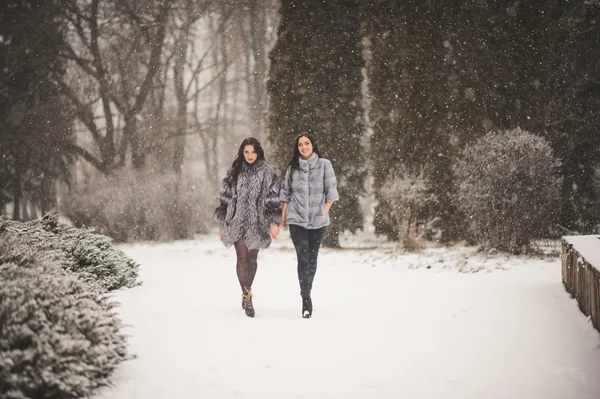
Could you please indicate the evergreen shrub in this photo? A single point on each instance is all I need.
(59, 334)
(83, 251)
(508, 189)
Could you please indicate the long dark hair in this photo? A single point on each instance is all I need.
(295, 161)
(239, 160)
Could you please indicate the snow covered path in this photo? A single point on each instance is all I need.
(381, 328)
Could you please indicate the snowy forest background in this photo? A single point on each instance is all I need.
(475, 120)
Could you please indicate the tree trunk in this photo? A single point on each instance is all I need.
(17, 196)
(25, 209)
(181, 96)
(255, 68)
(138, 152)
(48, 196)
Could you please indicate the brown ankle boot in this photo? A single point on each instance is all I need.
(247, 302)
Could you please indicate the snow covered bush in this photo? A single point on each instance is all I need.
(409, 197)
(140, 206)
(59, 335)
(91, 255)
(508, 188)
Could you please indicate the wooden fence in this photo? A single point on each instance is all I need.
(581, 273)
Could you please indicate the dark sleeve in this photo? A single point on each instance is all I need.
(272, 201)
(225, 197)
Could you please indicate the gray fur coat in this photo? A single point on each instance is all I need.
(249, 206)
(307, 189)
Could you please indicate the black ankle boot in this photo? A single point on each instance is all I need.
(247, 304)
(307, 307)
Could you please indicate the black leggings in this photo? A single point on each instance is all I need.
(307, 243)
(246, 264)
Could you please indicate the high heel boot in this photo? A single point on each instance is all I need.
(247, 302)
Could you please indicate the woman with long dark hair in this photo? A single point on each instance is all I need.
(249, 212)
(309, 189)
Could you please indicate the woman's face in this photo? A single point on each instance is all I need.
(249, 154)
(305, 147)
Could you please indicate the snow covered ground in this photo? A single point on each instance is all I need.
(441, 324)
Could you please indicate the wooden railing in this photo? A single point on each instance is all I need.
(581, 278)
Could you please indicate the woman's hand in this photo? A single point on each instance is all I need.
(221, 235)
(275, 231)
(326, 207)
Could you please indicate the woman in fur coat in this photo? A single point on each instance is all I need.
(309, 189)
(249, 212)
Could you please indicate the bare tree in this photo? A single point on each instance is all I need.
(255, 24)
(118, 46)
(149, 74)
(191, 61)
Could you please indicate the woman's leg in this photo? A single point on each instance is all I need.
(241, 251)
(300, 239)
(252, 266)
(246, 269)
(247, 264)
(315, 238)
